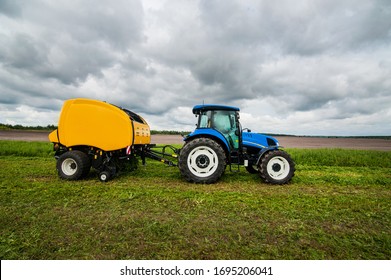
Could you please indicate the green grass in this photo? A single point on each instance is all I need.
(337, 207)
(26, 149)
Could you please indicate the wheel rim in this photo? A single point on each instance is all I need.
(202, 161)
(103, 177)
(278, 168)
(69, 166)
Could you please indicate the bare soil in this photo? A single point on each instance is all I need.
(285, 141)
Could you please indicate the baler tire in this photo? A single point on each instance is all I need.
(276, 167)
(202, 161)
(104, 176)
(73, 165)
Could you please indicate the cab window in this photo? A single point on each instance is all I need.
(205, 120)
(222, 121)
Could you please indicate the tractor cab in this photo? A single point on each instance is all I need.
(221, 121)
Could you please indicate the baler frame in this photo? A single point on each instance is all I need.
(110, 163)
(161, 156)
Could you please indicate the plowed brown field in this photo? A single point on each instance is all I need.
(285, 141)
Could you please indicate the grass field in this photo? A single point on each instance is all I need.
(337, 207)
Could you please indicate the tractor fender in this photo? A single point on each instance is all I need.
(263, 151)
(212, 134)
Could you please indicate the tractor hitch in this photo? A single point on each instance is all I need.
(161, 153)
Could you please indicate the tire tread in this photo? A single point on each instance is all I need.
(82, 160)
(263, 167)
(188, 147)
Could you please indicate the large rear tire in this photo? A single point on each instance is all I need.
(202, 160)
(276, 167)
(73, 165)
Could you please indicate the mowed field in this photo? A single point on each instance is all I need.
(336, 207)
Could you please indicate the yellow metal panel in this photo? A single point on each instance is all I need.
(98, 124)
(53, 137)
(142, 133)
(94, 123)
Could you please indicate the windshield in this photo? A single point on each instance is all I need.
(223, 121)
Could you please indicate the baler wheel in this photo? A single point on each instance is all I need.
(104, 176)
(73, 165)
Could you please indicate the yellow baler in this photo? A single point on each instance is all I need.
(86, 122)
(97, 134)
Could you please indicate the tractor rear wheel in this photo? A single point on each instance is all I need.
(202, 160)
(73, 165)
(276, 167)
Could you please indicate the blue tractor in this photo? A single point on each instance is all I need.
(219, 140)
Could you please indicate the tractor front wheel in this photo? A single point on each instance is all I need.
(276, 167)
(202, 160)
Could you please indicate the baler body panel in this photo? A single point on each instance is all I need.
(53, 136)
(86, 122)
(142, 134)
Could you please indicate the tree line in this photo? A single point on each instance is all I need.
(53, 127)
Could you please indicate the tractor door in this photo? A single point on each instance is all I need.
(226, 123)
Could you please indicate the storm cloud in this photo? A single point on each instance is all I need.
(303, 67)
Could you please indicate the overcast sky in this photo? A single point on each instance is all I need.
(299, 67)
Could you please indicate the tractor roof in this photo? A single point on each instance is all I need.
(208, 107)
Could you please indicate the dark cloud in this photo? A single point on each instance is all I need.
(305, 28)
(10, 8)
(297, 67)
(68, 42)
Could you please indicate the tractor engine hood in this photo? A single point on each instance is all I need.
(258, 140)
